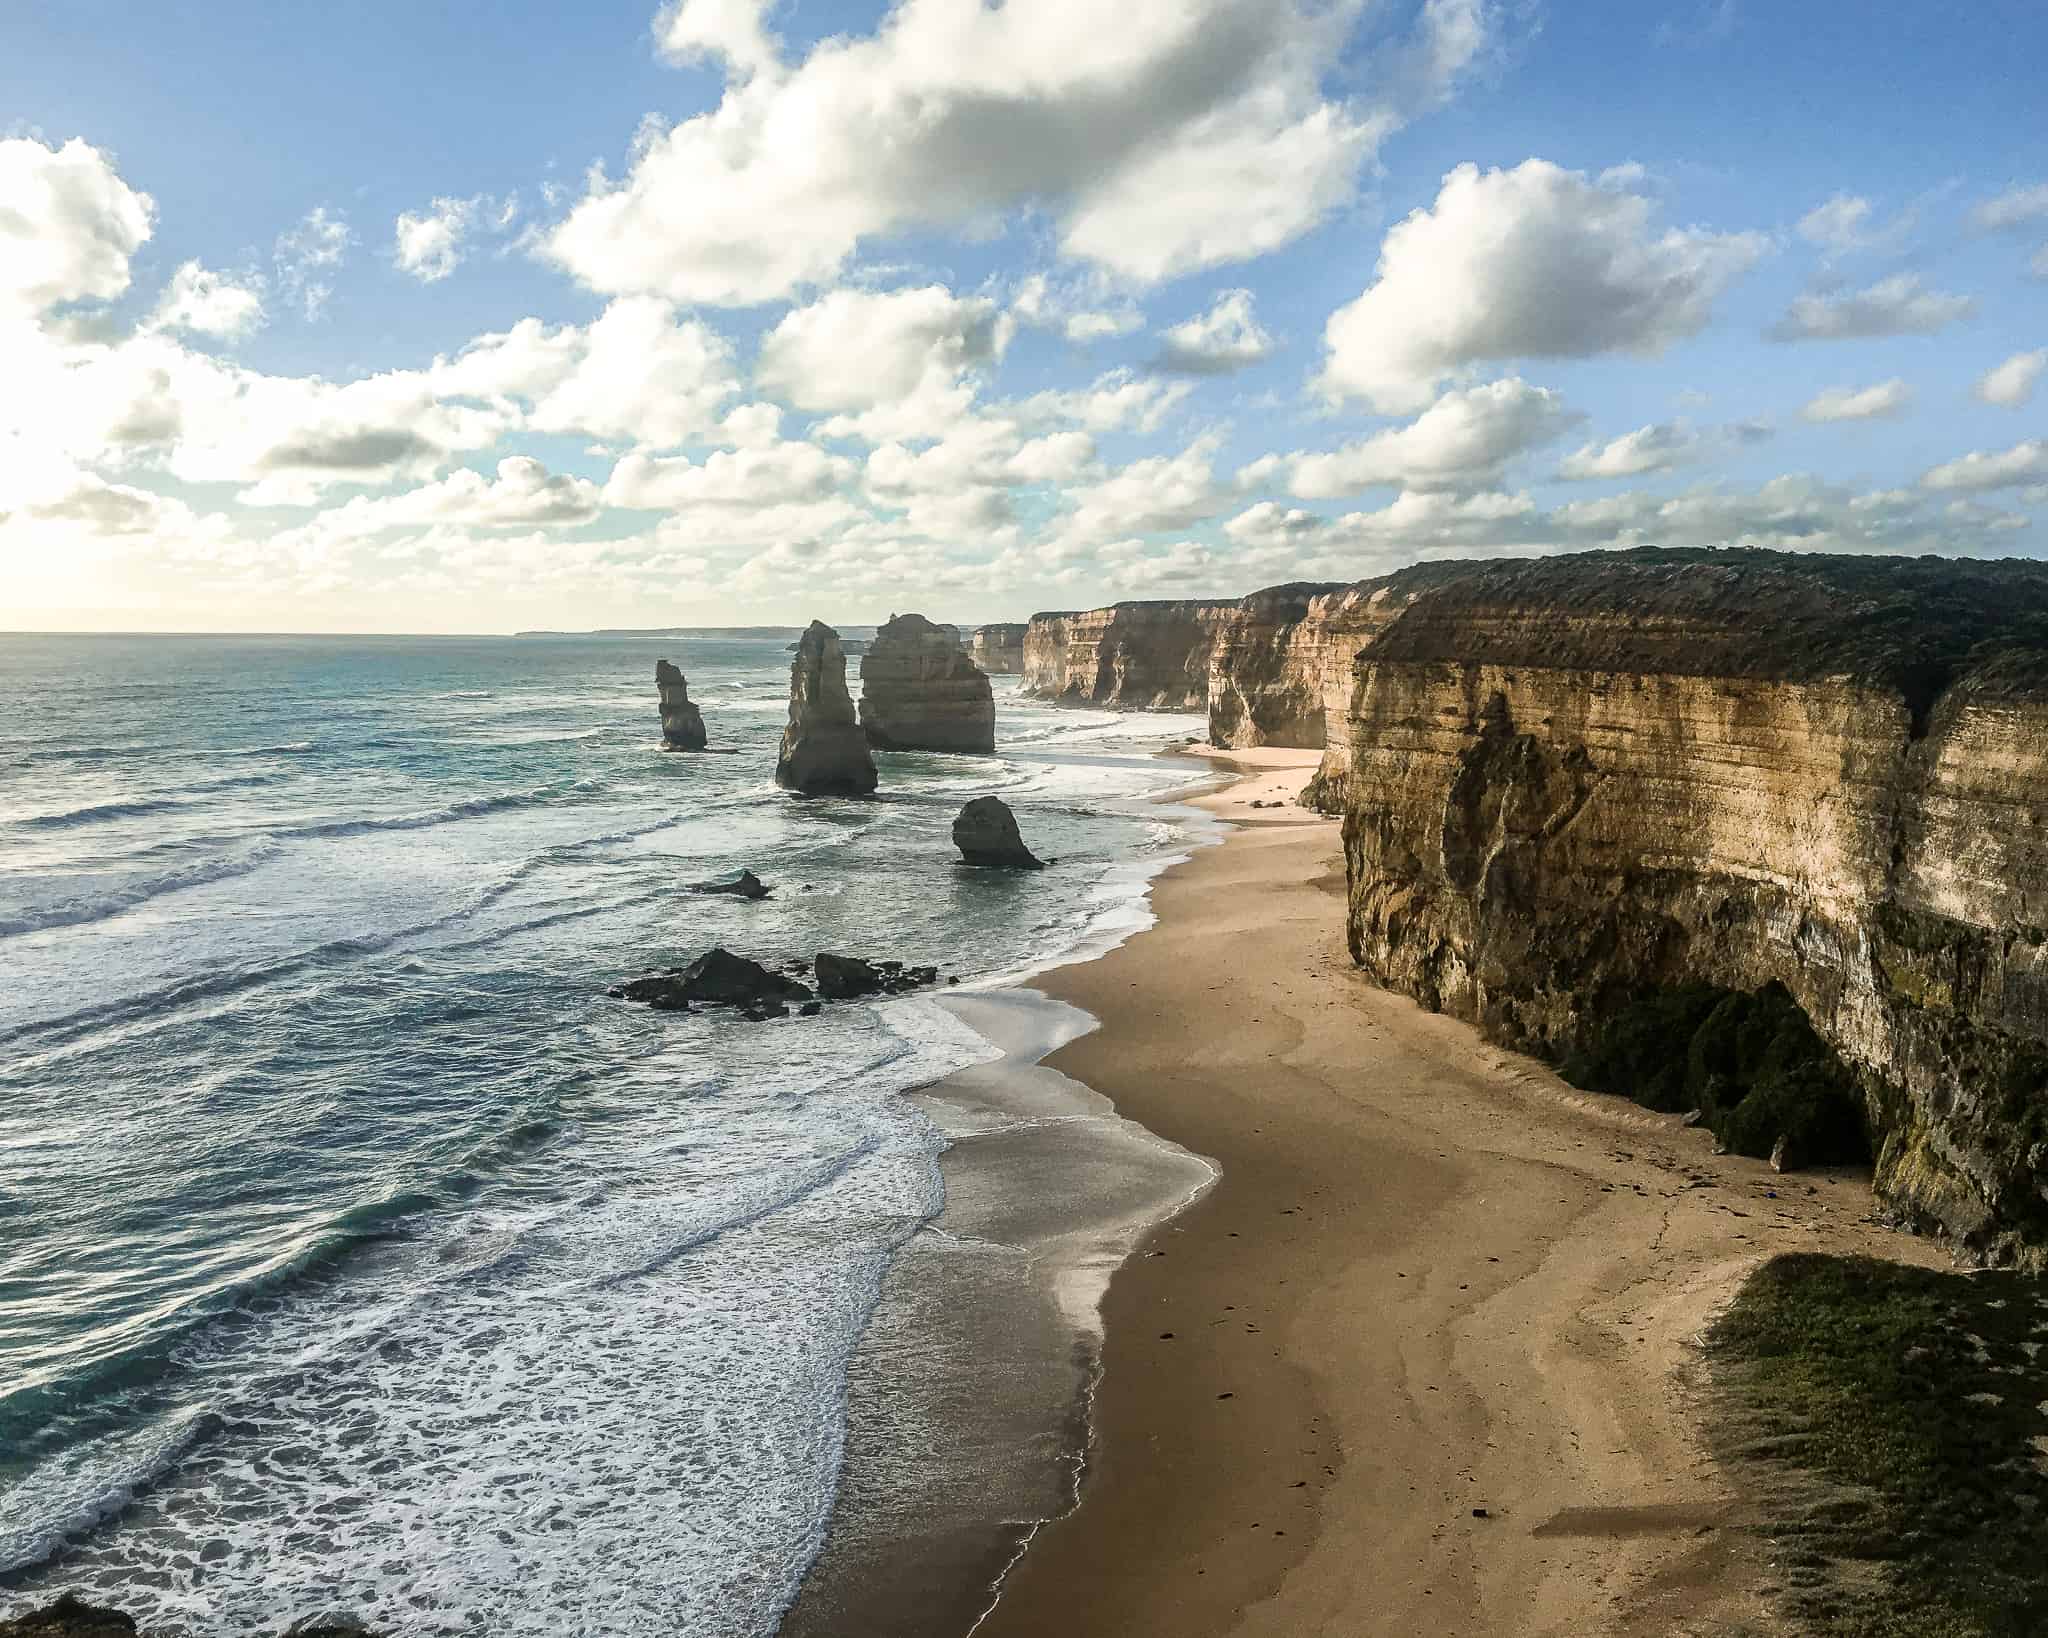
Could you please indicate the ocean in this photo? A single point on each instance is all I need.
(357, 1253)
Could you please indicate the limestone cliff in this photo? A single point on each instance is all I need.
(682, 724)
(998, 649)
(1578, 782)
(1143, 656)
(824, 752)
(920, 692)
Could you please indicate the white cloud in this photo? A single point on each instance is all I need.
(1898, 306)
(1460, 442)
(1039, 303)
(1228, 337)
(864, 350)
(1887, 398)
(1839, 225)
(2019, 206)
(643, 375)
(1118, 401)
(1150, 496)
(523, 495)
(203, 302)
(319, 240)
(428, 244)
(774, 474)
(2025, 463)
(2011, 384)
(68, 225)
(1187, 134)
(732, 32)
(1534, 262)
(1647, 449)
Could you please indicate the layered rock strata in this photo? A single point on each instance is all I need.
(1577, 783)
(1130, 657)
(682, 724)
(919, 691)
(824, 752)
(998, 649)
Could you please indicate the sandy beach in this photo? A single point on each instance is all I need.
(1422, 1361)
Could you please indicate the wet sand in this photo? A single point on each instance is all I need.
(1422, 1360)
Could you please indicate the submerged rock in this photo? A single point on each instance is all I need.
(682, 724)
(824, 751)
(920, 691)
(742, 884)
(70, 1617)
(986, 834)
(847, 978)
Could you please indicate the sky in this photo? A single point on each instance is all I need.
(471, 318)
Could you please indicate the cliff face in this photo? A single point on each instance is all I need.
(1578, 782)
(1266, 682)
(998, 649)
(824, 752)
(1130, 656)
(920, 691)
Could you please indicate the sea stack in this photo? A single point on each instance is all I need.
(920, 691)
(682, 724)
(986, 834)
(824, 752)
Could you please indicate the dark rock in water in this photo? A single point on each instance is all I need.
(716, 978)
(920, 691)
(70, 1617)
(847, 978)
(842, 978)
(759, 1012)
(986, 834)
(824, 752)
(742, 884)
(810, 1009)
(682, 724)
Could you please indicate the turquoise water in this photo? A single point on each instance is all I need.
(356, 1253)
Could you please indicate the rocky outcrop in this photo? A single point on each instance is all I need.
(824, 751)
(741, 884)
(1129, 657)
(682, 724)
(919, 691)
(72, 1617)
(849, 978)
(998, 649)
(986, 834)
(1580, 786)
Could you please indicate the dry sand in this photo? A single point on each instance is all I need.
(1433, 1280)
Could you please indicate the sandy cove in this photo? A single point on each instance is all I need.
(1423, 1361)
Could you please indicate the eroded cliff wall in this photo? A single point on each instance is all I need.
(998, 649)
(1139, 656)
(1573, 782)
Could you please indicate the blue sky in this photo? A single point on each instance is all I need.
(989, 310)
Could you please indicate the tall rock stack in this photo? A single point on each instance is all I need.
(682, 724)
(824, 752)
(921, 692)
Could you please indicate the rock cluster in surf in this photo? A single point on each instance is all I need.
(72, 1617)
(718, 978)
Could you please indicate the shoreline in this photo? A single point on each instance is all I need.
(1423, 1358)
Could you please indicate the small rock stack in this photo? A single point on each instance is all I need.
(682, 724)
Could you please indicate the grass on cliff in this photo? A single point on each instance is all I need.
(1892, 1423)
(1750, 1062)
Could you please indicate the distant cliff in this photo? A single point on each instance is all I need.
(1592, 799)
(998, 649)
(1131, 656)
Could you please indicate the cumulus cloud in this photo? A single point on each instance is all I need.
(773, 474)
(2019, 206)
(2025, 463)
(319, 240)
(1150, 496)
(1189, 134)
(2011, 384)
(1070, 311)
(428, 244)
(202, 302)
(1118, 401)
(1534, 262)
(524, 494)
(68, 225)
(1839, 224)
(861, 349)
(1228, 337)
(641, 374)
(1887, 398)
(733, 33)
(1461, 441)
(1647, 449)
(1901, 305)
